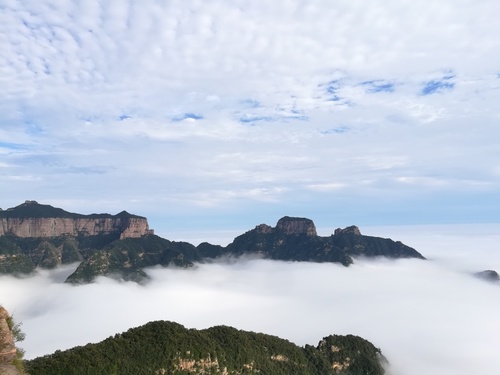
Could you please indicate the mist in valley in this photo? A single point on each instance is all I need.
(428, 317)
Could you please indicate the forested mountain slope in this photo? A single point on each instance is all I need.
(169, 348)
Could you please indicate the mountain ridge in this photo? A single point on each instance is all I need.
(163, 347)
(33, 209)
(31, 219)
(103, 252)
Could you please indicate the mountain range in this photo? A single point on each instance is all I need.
(35, 235)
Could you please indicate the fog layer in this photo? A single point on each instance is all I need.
(428, 317)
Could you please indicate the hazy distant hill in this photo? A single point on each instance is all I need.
(122, 245)
(168, 348)
(488, 275)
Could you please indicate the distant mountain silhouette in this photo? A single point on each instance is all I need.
(488, 275)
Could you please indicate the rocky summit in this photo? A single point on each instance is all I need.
(296, 225)
(34, 235)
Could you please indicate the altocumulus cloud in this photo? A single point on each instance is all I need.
(428, 317)
(195, 106)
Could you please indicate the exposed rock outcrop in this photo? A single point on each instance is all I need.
(7, 347)
(296, 225)
(263, 228)
(35, 220)
(54, 227)
(348, 230)
(8, 351)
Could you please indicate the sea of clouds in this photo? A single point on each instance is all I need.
(428, 317)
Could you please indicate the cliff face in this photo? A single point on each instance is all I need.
(294, 225)
(53, 227)
(134, 228)
(7, 347)
(45, 221)
(8, 351)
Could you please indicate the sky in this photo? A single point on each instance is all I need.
(211, 117)
(221, 115)
(427, 317)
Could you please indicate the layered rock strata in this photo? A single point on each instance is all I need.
(34, 220)
(53, 227)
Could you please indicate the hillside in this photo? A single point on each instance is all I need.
(169, 348)
(126, 250)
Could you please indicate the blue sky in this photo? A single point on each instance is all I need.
(207, 116)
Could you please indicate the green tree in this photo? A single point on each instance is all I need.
(15, 328)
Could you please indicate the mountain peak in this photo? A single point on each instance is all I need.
(33, 209)
(296, 225)
(353, 229)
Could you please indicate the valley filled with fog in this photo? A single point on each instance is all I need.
(428, 317)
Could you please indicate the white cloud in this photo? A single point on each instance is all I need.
(427, 316)
(89, 94)
(98, 86)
